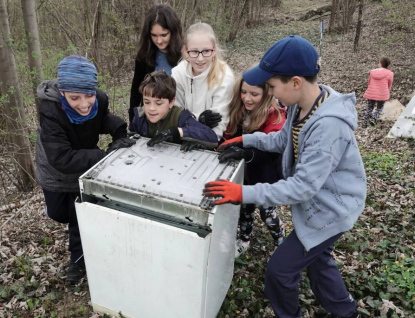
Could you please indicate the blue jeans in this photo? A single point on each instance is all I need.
(284, 275)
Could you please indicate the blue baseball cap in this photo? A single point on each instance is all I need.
(292, 55)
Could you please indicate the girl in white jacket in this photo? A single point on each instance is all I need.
(204, 81)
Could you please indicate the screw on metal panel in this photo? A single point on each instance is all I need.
(158, 183)
(153, 179)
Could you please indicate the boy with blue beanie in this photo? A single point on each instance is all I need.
(324, 178)
(72, 115)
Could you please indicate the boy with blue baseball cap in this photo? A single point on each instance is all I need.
(324, 178)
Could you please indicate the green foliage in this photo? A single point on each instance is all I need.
(52, 56)
(32, 303)
(400, 13)
(397, 277)
(23, 268)
(46, 241)
(385, 162)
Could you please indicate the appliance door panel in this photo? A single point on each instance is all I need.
(163, 267)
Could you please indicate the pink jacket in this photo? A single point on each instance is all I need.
(380, 84)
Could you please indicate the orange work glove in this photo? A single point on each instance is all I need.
(229, 191)
(237, 141)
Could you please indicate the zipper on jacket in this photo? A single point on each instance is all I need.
(191, 86)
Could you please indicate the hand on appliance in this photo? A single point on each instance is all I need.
(166, 135)
(191, 145)
(120, 143)
(229, 191)
(236, 153)
(237, 141)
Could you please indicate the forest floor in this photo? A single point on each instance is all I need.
(376, 257)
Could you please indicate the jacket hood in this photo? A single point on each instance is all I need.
(379, 73)
(49, 90)
(337, 105)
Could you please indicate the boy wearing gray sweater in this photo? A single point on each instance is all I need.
(324, 178)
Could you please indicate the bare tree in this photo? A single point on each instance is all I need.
(33, 49)
(342, 14)
(18, 143)
(238, 10)
(334, 10)
(358, 27)
(95, 40)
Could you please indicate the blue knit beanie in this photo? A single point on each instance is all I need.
(77, 74)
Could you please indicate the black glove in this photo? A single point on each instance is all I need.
(234, 142)
(210, 118)
(237, 153)
(134, 135)
(120, 143)
(192, 145)
(171, 134)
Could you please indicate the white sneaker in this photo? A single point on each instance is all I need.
(240, 247)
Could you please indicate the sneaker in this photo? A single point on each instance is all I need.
(75, 272)
(241, 247)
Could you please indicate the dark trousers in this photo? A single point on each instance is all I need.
(284, 275)
(269, 217)
(60, 206)
(372, 118)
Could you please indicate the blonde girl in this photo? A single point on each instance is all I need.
(204, 81)
(250, 110)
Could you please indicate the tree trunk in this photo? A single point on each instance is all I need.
(95, 41)
(236, 19)
(358, 27)
(33, 49)
(19, 146)
(333, 15)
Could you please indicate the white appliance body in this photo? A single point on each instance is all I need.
(148, 254)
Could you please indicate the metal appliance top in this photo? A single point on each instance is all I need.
(162, 171)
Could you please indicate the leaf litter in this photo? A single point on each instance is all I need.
(33, 249)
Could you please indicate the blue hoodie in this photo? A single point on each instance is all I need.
(326, 187)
